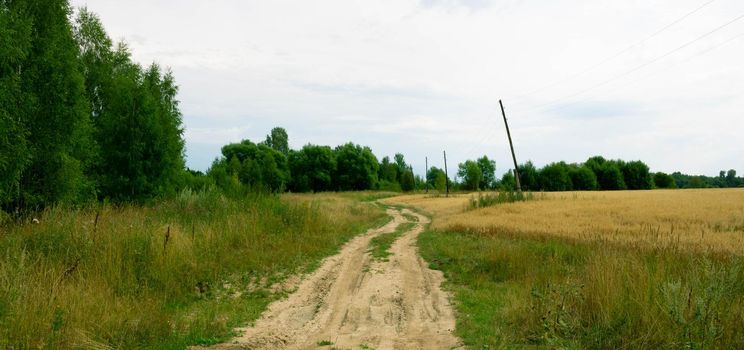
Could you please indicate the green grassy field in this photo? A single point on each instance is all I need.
(516, 292)
(176, 273)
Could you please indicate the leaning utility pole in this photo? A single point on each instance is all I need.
(446, 175)
(511, 145)
(426, 175)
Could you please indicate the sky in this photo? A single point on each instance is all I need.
(655, 80)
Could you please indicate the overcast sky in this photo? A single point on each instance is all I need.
(660, 81)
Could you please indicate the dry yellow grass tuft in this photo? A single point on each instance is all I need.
(706, 219)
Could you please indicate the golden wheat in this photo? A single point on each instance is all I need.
(706, 219)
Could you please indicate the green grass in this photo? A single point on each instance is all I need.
(411, 218)
(179, 272)
(325, 343)
(490, 199)
(379, 246)
(514, 292)
(368, 196)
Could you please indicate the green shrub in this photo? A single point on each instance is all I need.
(490, 199)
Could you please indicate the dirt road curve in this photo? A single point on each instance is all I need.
(357, 302)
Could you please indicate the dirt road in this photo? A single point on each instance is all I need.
(354, 301)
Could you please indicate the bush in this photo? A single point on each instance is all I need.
(490, 199)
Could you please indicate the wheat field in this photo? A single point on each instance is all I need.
(710, 220)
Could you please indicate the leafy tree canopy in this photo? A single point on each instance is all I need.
(471, 175)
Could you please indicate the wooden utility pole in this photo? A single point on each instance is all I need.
(446, 175)
(511, 145)
(426, 175)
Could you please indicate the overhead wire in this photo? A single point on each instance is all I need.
(624, 73)
(616, 55)
(638, 67)
(490, 130)
(646, 77)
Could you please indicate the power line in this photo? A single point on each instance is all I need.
(641, 66)
(619, 53)
(472, 151)
(646, 77)
(489, 131)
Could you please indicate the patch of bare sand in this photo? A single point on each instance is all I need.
(355, 301)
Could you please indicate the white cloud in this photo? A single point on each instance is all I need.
(215, 136)
(420, 76)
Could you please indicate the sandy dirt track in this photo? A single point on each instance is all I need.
(356, 302)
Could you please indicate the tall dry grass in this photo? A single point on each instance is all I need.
(512, 292)
(179, 272)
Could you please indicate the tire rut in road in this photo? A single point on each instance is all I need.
(355, 301)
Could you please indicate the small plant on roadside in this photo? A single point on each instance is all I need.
(325, 343)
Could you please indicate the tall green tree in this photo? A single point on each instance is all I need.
(401, 166)
(407, 181)
(610, 177)
(436, 178)
(15, 46)
(312, 168)
(697, 182)
(278, 140)
(488, 169)
(595, 163)
(356, 168)
(97, 58)
(471, 175)
(508, 181)
(388, 171)
(529, 177)
(256, 166)
(664, 180)
(136, 118)
(555, 177)
(56, 116)
(583, 178)
(636, 175)
(139, 131)
(731, 179)
(274, 169)
(609, 173)
(166, 148)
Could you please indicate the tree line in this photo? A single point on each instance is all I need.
(79, 120)
(725, 179)
(270, 165)
(596, 173)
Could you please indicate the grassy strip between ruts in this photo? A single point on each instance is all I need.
(379, 246)
(513, 292)
(179, 272)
